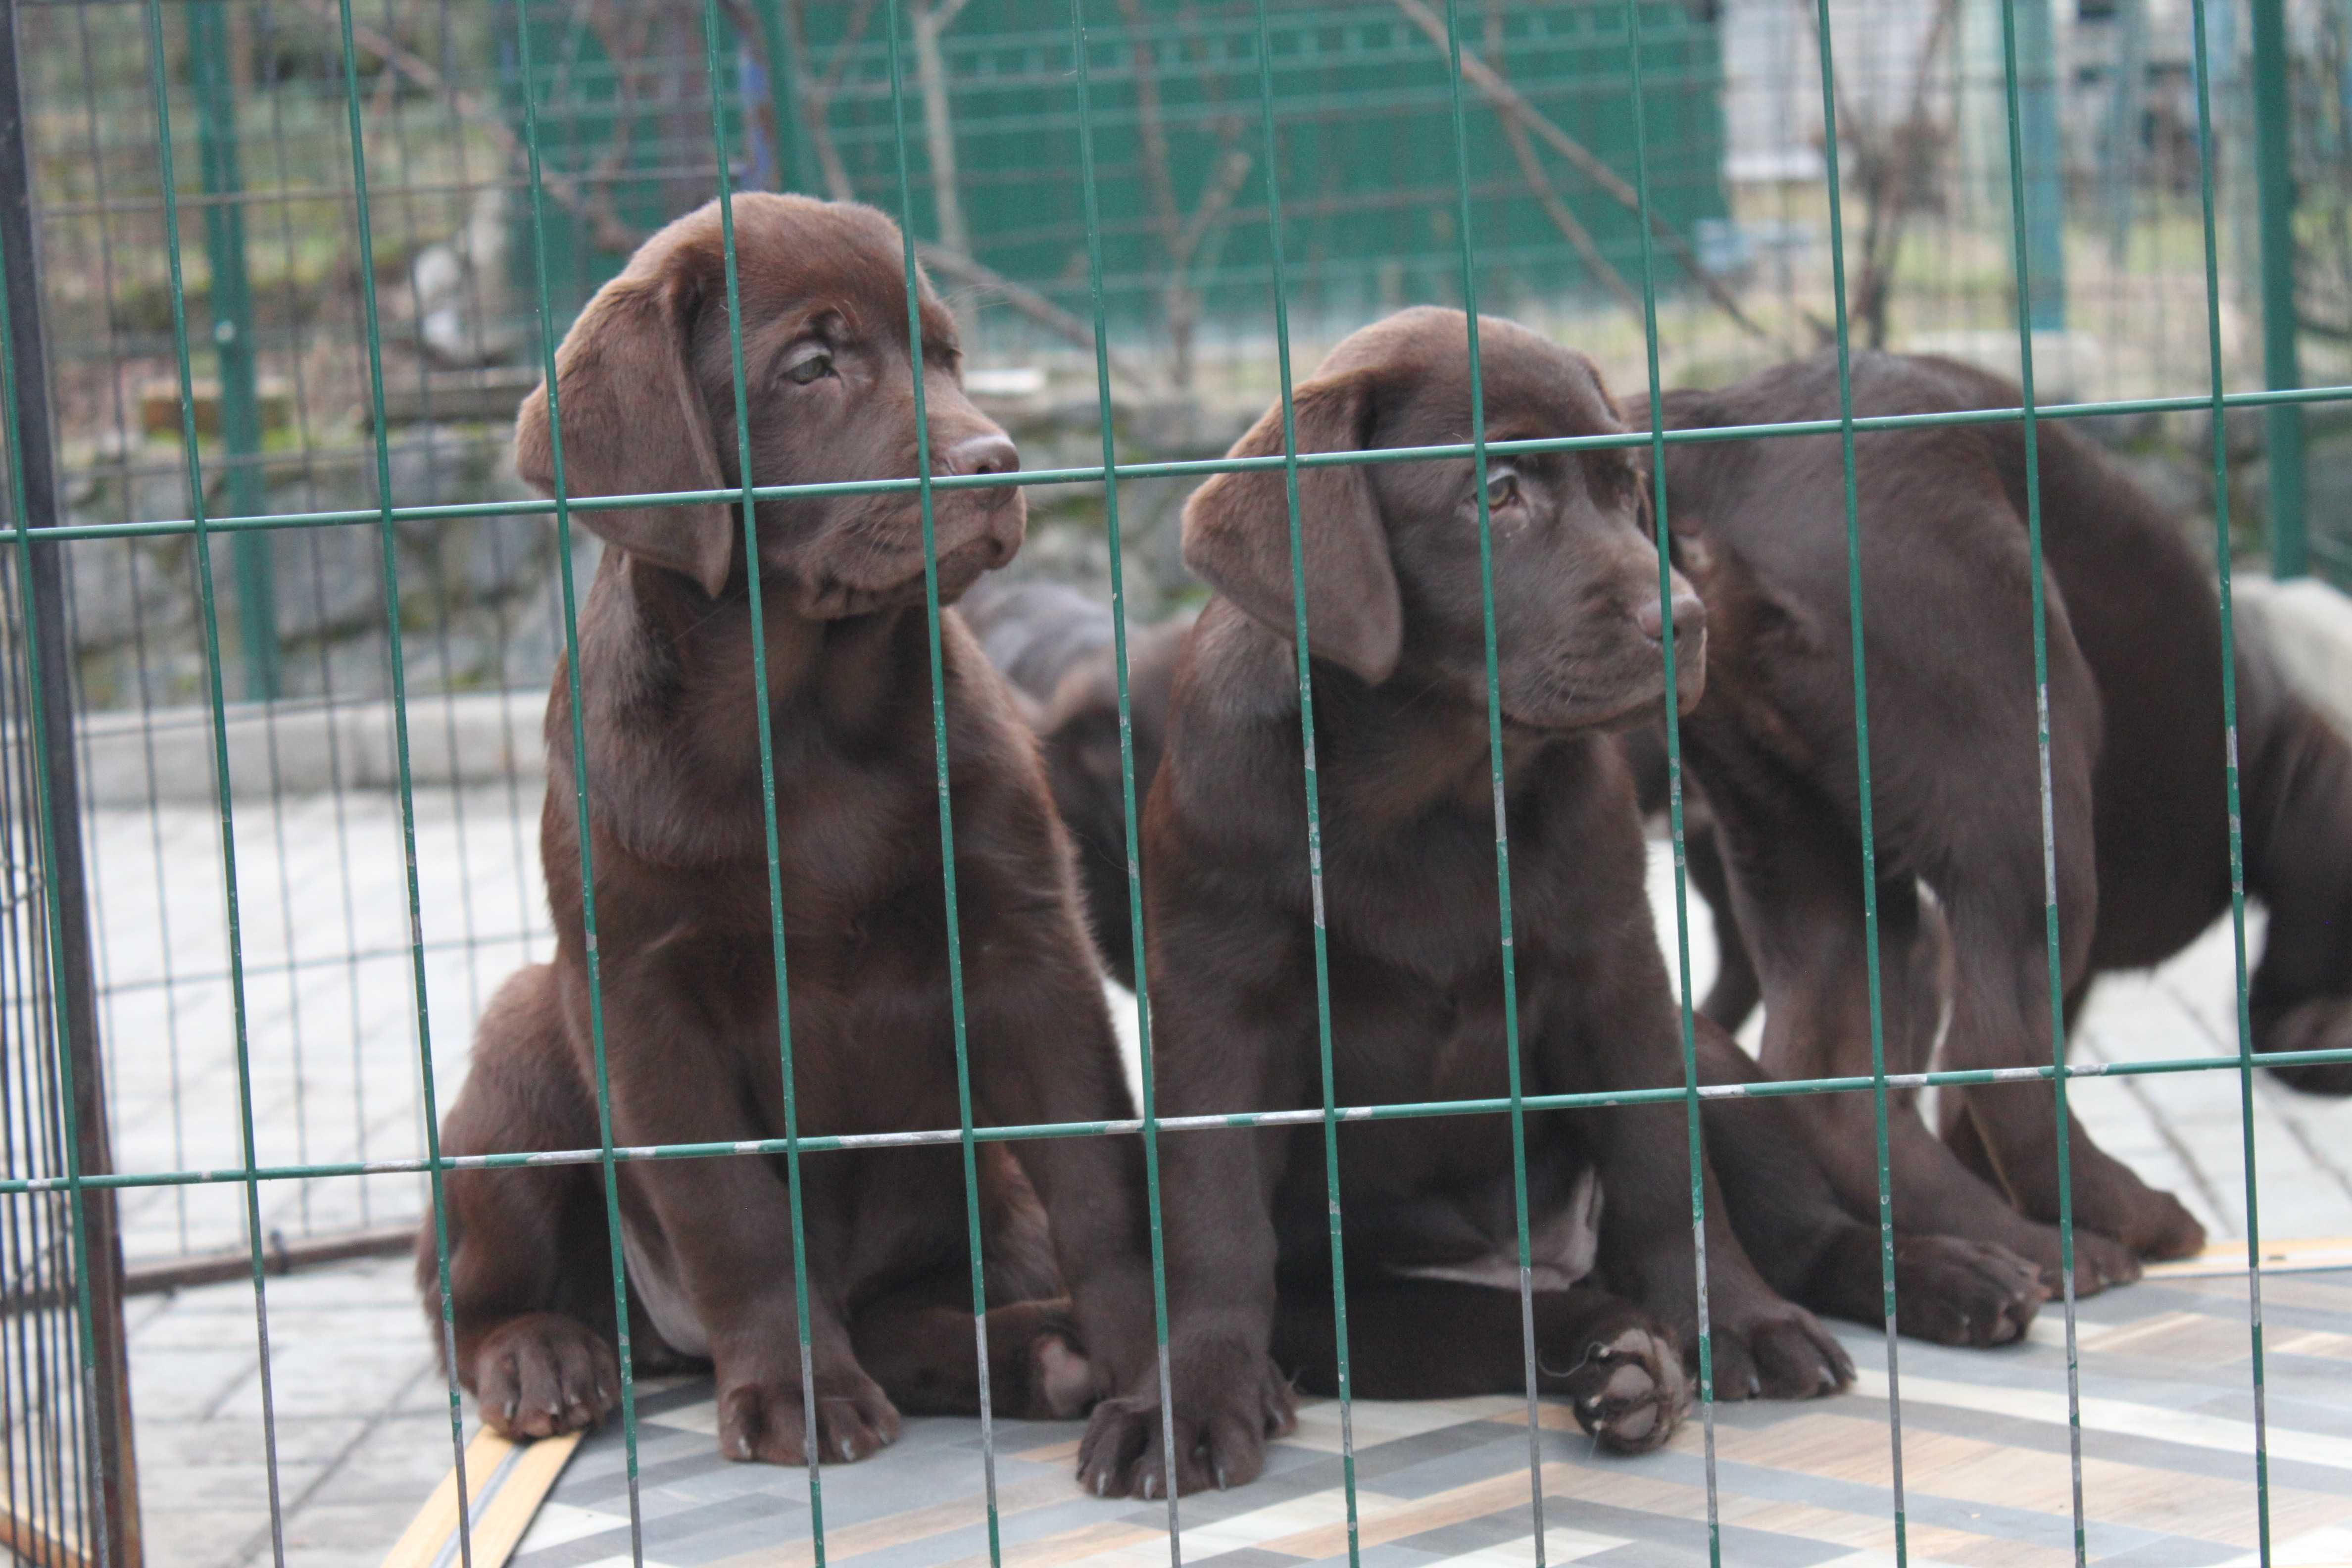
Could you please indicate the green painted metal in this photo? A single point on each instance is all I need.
(549, 334)
(1129, 802)
(1196, 468)
(777, 956)
(1342, 95)
(2023, 262)
(2237, 836)
(1510, 946)
(1277, 263)
(795, 162)
(1014, 1134)
(230, 296)
(2275, 203)
(217, 711)
(2039, 171)
(1661, 510)
(111, 1551)
(1365, 105)
(1866, 811)
(388, 548)
(947, 814)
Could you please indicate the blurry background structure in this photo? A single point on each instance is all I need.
(287, 423)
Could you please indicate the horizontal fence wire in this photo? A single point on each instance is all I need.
(728, 131)
(1201, 468)
(819, 1143)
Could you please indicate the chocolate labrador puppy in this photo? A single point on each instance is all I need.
(683, 943)
(1055, 645)
(1408, 900)
(1053, 640)
(2138, 841)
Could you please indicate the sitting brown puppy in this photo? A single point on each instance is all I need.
(1409, 901)
(2138, 835)
(1052, 639)
(1055, 645)
(682, 934)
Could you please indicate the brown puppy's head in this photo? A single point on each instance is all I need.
(646, 386)
(1391, 549)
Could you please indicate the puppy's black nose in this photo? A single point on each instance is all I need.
(993, 453)
(1690, 617)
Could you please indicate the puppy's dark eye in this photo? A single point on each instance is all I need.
(813, 362)
(1502, 489)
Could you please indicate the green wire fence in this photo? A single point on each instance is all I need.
(1146, 205)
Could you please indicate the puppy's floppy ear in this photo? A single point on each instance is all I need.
(1237, 533)
(634, 424)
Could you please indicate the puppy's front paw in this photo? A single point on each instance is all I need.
(1778, 1351)
(766, 1418)
(1960, 1292)
(1229, 1401)
(1627, 1389)
(540, 1375)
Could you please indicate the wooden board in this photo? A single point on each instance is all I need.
(506, 1482)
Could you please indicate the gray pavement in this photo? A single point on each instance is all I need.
(332, 1033)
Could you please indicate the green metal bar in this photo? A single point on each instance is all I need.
(115, 1547)
(1312, 789)
(1127, 802)
(1495, 769)
(947, 814)
(217, 699)
(771, 828)
(230, 297)
(2033, 89)
(2016, 187)
(1867, 823)
(592, 959)
(1690, 1092)
(2230, 727)
(388, 545)
(795, 161)
(2276, 201)
(1191, 468)
(1017, 1133)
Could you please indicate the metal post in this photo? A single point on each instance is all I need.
(2044, 172)
(2126, 111)
(795, 166)
(111, 1458)
(231, 298)
(2275, 197)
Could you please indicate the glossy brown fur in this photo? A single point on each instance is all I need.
(1055, 645)
(2140, 830)
(1410, 907)
(685, 960)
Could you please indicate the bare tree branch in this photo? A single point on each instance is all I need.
(939, 129)
(1027, 301)
(1511, 104)
(1578, 237)
(605, 226)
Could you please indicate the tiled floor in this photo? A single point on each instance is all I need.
(2167, 1479)
(332, 1026)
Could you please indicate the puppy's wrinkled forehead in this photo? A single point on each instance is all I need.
(797, 260)
(1534, 387)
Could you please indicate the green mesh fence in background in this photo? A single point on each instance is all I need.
(300, 258)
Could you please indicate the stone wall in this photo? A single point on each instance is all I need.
(478, 596)
(479, 599)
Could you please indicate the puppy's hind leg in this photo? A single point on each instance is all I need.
(531, 1274)
(1620, 1373)
(918, 1343)
(1786, 1212)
